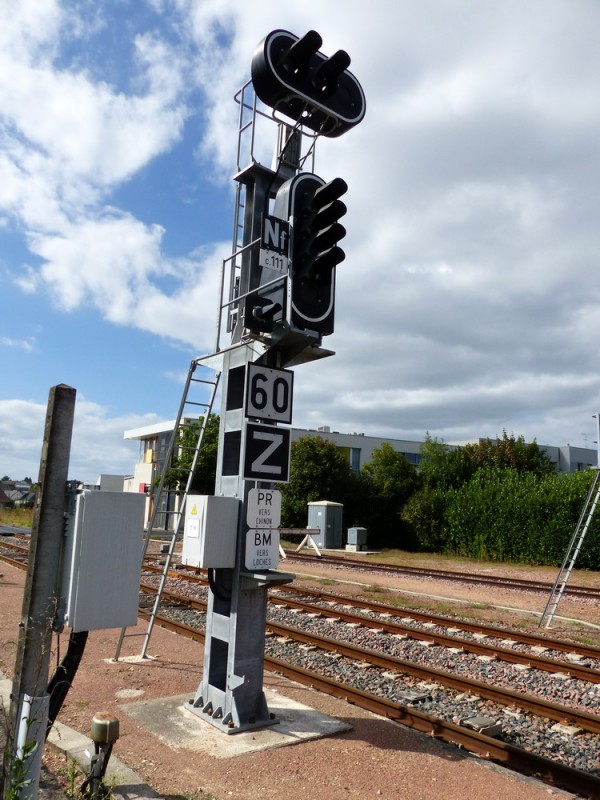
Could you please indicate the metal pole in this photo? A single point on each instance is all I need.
(29, 698)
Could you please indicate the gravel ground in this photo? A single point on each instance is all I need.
(375, 759)
(579, 750)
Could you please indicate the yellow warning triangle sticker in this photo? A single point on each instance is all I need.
(194, 510)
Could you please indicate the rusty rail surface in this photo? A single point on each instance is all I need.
(543, 708)
(587, 592)
(511, 756)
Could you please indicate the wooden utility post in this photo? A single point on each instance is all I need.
(29, 698)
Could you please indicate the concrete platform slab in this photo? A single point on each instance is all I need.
(169, 720)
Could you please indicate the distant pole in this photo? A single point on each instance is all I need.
(29, 706)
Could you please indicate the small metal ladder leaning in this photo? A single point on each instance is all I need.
(173, 518)
(568, 563)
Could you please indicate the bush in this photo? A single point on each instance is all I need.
(318, 471)
(502, 515)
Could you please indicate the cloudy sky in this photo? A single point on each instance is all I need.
(469, 299)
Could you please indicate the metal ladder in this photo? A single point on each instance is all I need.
(173, 518)
(568, 563)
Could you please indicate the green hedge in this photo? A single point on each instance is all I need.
(503, 515)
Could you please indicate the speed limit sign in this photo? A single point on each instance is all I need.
(269, 394)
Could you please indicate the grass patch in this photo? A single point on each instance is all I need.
(299, 578)
(376, 590)
(19, 517)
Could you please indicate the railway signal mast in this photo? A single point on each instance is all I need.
(277, 304)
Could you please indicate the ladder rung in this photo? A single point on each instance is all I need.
(202, 380)
(171, 529)
(163, 531)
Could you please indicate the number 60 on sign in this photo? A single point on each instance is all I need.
(269, 394)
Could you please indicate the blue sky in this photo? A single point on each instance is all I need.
(468, 302)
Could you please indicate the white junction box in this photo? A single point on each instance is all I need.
(210, 531)
(102, 560)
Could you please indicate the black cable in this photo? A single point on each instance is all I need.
(215, 588)
(63, 677)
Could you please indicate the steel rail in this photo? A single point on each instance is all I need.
(507, 697)
(552, 772)
(516, 758)
(446, 640)
(543, 708)
(588, 592)
(15, 547)
(534, 639)
(13, 562)
(495, 631)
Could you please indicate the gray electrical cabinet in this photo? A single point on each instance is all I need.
(102, 560)
(210, 531)
(327, 517)
(357, 539)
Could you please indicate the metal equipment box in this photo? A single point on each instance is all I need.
(210, 531)
(357, 539)
(102, 560)
(357, 536)
(327, 517)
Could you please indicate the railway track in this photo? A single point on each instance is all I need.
(384, 661)
(351, 563)
(479, 648)
(13, 553)
(489, 747)
(360, 660)
(319, 597)
(334, 604)
(518, 758)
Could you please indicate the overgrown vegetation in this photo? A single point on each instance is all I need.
(16, 768)
(497, 500)
(203, 481)
(19, 517)
(500, 501)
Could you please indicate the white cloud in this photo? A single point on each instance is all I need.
(22, 344)
(97, 444)
(29, 27)
(469, 295)
(110, 263)
(67, 139)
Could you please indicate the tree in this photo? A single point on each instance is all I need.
(443, 467)
(447, 472)
(318, 471)
(389, 481)
(205, 471)
(510, 452)
(424, 512)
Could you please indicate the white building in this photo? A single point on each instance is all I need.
(154, 442)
